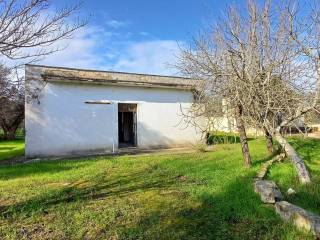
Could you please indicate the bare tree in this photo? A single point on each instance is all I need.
(205, 60)
(29, 30)
(266, 62)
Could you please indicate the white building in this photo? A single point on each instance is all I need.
(79, 112)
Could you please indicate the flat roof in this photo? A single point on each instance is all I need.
(74, 75)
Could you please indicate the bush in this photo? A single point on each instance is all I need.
(220, 137)
(200, 147)
(19, 133)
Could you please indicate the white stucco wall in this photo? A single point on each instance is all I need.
(62, 124)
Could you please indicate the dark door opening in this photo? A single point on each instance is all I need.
(127, 125)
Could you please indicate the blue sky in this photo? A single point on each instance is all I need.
(135, 35)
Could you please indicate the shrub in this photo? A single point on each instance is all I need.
(200, 147)
(220, 137)
(19, 134)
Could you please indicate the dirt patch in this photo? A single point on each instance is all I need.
(314, 135)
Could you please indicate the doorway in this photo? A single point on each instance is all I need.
(127, 125)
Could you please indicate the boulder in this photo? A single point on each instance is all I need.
(268, 191)
(299, 217)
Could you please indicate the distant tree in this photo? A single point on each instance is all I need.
(29, 30)
(265, 63)
(11, 103)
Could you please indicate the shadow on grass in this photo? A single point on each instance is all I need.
(6, 148)
(97, 187)
(38, 169)
(234, 213)
(307, 197)
(265, 159)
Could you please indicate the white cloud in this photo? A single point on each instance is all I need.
(95, 48)
(115, 24)
(155, 57)
(144, 33)
(80, 51)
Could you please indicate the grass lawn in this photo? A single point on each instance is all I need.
(11, 149)
(183, 196)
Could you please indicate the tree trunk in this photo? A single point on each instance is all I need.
(9, 129)
(243, 136)
(303, 173)
(9, 134)
(268, 140)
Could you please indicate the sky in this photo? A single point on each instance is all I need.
(142, 36)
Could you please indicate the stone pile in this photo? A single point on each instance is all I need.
(270, 194)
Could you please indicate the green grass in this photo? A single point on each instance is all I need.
(11, 149)
(308, 196)
(182, 196)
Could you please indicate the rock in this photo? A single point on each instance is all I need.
(268, 190)
(265, 167)
(263, 171)
(280, 157)
(291, 192)
(299, 217)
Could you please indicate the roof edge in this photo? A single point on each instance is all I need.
(74, 75)
(106, 71)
